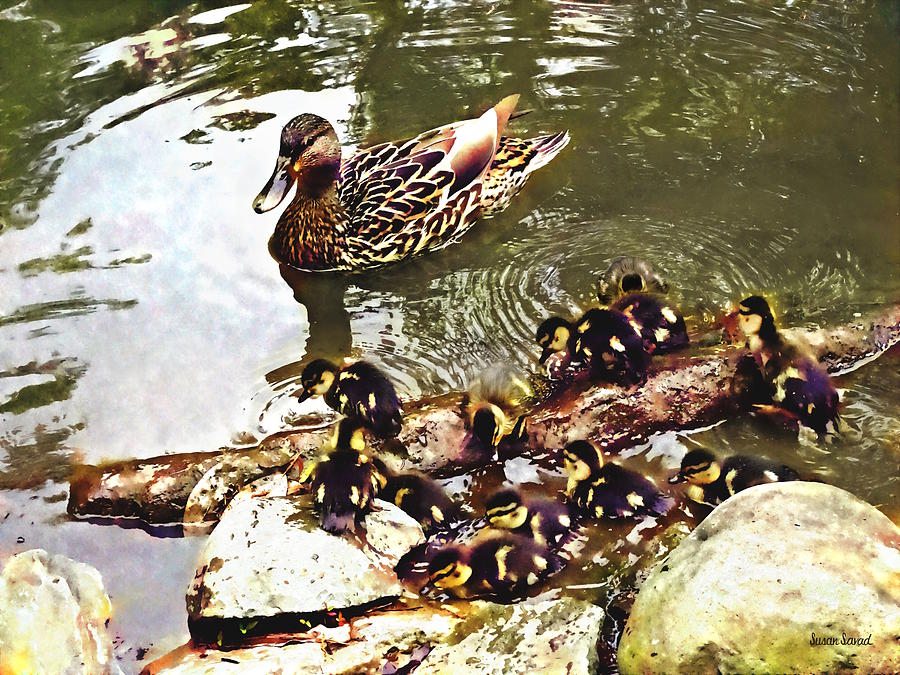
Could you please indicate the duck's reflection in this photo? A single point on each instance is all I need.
(330, 337)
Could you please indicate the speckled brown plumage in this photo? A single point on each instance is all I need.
(396, 200)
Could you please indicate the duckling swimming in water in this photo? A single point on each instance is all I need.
(661, 325)
(627, 274)
(494, 399)
(606, 339)
(797, 382)
(422, 498)
(712, 482)
(359, 390)
(345, 481)
(547, 521)
(608, 490)
(504, 567)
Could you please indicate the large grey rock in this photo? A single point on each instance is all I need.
(53, 616)
(768, 571)
(268, 556)
(541, 636)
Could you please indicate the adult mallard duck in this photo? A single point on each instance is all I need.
(395, 200)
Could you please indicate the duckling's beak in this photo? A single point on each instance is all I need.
(677, 478)
(277, 188)
(303, 395)
(545, 354)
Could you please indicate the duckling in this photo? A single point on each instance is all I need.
(547, 521)
(493, 400)
(608, 490)
(360, 390)
(420, 497)
(627, 274)
(712, 482)
(504, 567)
(661, 325)
(797, 382)
(346, 480)
(606, 339)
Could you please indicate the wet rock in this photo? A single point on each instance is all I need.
(767, 574)
(538, 636)
(224, 483)
(53, 616)
(359, 646)
(268, 556)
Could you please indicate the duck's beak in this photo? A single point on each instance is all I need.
(303, 395)
(545, 355)
(677, 478)
(277, 188)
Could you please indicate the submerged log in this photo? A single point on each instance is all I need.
(681, 393)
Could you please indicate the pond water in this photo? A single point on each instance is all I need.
(741, 147)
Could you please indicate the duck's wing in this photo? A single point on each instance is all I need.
(423, 199)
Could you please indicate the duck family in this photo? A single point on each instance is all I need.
(520, 540)
(396, 200)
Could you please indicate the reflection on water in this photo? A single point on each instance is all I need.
(740, 147)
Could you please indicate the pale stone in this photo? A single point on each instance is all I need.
(539, 636)
(268, 556)
(764, 571)
(53, 617)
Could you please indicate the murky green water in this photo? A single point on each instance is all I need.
(740, 146)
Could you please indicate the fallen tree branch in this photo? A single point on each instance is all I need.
(682, 393)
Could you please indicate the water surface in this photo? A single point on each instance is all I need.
(742, 147)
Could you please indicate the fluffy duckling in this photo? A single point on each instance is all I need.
(493, 402)
(796, 381)
(712, 482)
(359, 390)
(420, 497)
(608, 490)
(627, 274)
(661, 325)
(546, 521)
(504, 566)
(606, 339)
(345, 481)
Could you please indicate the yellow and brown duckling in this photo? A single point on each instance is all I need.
(661, 325)
(711, 481)
(797, 382)
(346, 480)
(360, 391)
(607, 490)
(627, 274)
(422, 498)
(503, 567)
(607, 340)
(546, 521)
(395, 200)
(494, 402)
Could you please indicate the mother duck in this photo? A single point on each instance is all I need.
(395, 200)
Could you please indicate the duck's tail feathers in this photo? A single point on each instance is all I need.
(505, 109)
(546, 148)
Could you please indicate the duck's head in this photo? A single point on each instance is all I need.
(755, 318)
(581, 459)
(349, 435)
(698, 467)
(317, 378)
(627, 274)
(505, 509)
(449, 568)
(309, 155)
(553, 336)
(488, 422)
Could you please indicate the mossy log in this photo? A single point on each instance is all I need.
(682, 393)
